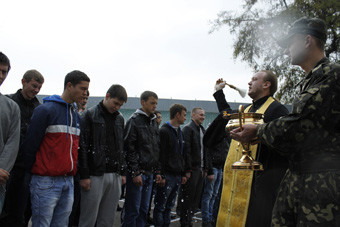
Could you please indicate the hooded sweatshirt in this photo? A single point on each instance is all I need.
(51, 144)
(9, 132)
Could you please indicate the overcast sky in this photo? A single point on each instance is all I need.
(158, 45)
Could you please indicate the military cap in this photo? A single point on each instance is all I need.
(309, 26)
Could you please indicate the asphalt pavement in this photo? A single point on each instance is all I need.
(197, 220)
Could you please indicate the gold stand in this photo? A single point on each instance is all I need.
(246, 162)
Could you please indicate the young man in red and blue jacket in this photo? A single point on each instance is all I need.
(50, 152)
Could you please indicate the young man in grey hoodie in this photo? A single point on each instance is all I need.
(9, 130)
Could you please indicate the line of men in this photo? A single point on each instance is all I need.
(55, 140)
(305, 141)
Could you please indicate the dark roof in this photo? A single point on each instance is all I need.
(133, 103)
(163, 106)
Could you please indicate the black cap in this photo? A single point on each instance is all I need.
(314, 27)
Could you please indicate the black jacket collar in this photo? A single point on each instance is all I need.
(23, 100)
(104, 111)
(258, 103)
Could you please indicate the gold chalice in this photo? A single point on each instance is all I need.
(246, 162)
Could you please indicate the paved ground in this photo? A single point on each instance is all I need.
(197, 220)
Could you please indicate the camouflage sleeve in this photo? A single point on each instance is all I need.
(315, 118)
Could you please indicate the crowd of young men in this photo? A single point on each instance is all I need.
(54, 162)
(53, 150)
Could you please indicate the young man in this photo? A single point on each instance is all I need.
(82, 105)
(159, 117)
(50, 152)
(217, 154)
(141, 142)
(196, 167)
(309, 135)
(172, 165)
(9, 130)
(149, 218)
(101, 159)
(17, 206)
(74, 216)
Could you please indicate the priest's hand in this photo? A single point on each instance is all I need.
(220, 84)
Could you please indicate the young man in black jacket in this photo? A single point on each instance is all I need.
(17, 209)
(101, 159)
(217, 154)
(172, 165)
(197, 167)
(141, 143)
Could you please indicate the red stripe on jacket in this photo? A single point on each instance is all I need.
(54, 156)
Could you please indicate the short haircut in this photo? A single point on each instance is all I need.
(194, 110)
(157, 112)
(4, 60)
(321, 26)
(272, 78)
(75, 77)
(33, 74)
(117, 91)
(146, 94)
(319, 43)
(176, 108)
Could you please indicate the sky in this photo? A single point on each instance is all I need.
(158, 45)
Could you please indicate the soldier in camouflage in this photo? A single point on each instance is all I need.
(309, 136)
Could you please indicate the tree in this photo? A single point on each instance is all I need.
(262, 22)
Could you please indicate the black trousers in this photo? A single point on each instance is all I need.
(190, 197)
(17, 206)
(74, 216)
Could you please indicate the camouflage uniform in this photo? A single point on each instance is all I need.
(310, 137)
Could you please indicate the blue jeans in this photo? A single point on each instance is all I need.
(217, 203)
(165, 200)
(210, 192)
(52, 200)
(137, 201)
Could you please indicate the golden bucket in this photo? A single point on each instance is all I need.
(246, 162)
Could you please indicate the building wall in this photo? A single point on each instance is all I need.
(209, 117)
(163, 106)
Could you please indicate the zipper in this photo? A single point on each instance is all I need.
(71, 142)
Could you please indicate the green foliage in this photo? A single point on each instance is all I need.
(262, 22)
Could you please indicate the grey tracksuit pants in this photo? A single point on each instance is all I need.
(99, 204)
